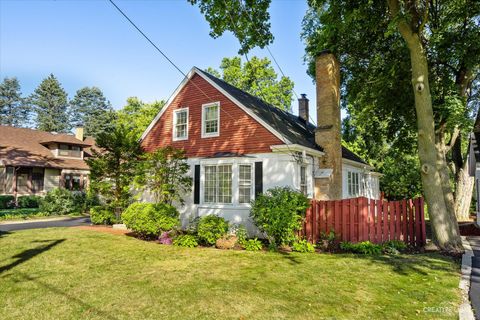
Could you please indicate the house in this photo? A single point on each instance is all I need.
(474, 163)
(238, 146)
(32, 162)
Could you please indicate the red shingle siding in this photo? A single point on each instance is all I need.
(239, 132)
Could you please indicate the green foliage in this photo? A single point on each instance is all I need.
(102, 215)
(401, 176)
(211, 228)
(28, 201)
(60, 201)
(393, 247)
(14, 110)
(7, 202)
(249, 23)
(253, 245)
(113, 169)
(20, 213)
(279, 213)
(149, 220)
(91, 110)
(186, 240)
(303, 246)
(241, 234)
(365, 247)
(258, 78)
(164, 173)
(328, 240)
(50, 103)
(137, 115)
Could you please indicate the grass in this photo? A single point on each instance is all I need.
(69, 273)
(25, 213)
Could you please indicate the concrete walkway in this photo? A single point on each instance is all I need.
(47, 223)
(475, 276)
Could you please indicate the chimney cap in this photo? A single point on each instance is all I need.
(303, 96)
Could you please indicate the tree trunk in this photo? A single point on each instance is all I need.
(444, 225)
(463, 193)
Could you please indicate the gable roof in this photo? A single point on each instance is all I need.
(286, 126)
(25, 147)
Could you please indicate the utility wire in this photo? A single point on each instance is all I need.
(165, 56)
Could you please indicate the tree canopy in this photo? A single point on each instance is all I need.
(258, 78)
(137, 115)
(14, 110)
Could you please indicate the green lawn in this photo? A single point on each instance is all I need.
(74, 273)
(27, 213)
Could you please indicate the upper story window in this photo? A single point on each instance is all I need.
(67, 150)
(180, 124)
(303, 180)
(353, 183)
(211, 120)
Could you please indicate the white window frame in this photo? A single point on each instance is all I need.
(232, 190)
(305, 184)
(252, 182)
(174, 124)
(353, 189)
(204, 107)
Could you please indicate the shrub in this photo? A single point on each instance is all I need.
(393, 247)
(186, 240)
(28, 201)
(365, 247)
(7, 202)
(148, 220)
(211, 228)
(102, 215)
(303, 246)
(328, 241)
(253, 245)
(279, 213)
(241, 234)
(59, 201)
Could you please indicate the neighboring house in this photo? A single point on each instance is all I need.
(474, 162)
(34, 162)
(238, 146)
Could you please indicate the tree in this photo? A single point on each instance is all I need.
(387, 45)
(114, 166)
(164, 173)
(90, 109)
(50, 104)
(138, 115)
(258, 78)
(13, 108)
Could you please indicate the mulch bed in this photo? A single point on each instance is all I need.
(469, 229)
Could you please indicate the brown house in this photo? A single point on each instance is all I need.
(34, 162)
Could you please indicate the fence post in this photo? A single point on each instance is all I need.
(345, 216)
(353, 211)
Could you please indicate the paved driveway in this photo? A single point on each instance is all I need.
(71, 222)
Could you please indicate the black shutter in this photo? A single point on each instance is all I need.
(196, 185)
(258, 177)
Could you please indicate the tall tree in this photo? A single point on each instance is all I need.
(14, 110)
(418, 45)
(114, 166)
(137, 115)
(258, 78)
(90, 109)
(51, 106)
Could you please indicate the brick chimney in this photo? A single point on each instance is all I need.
(327, 134)
(79, 133)
(303, 107)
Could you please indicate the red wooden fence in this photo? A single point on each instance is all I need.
(362, 219)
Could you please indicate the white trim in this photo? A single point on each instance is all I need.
(287, 148)
(174, 124)
(205, 106)
(357, 164)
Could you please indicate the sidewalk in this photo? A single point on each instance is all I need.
(475, 275)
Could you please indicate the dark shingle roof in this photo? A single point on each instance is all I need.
(288, 125)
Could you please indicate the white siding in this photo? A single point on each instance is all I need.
(369, 182)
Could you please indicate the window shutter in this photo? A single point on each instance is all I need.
(196, 185)
(258, 177)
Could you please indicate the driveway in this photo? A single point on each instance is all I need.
(70, 222)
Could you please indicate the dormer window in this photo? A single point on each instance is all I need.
(180, 124)
(211, 120)
(67, 150)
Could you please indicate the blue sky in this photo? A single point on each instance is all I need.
(88, 43)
